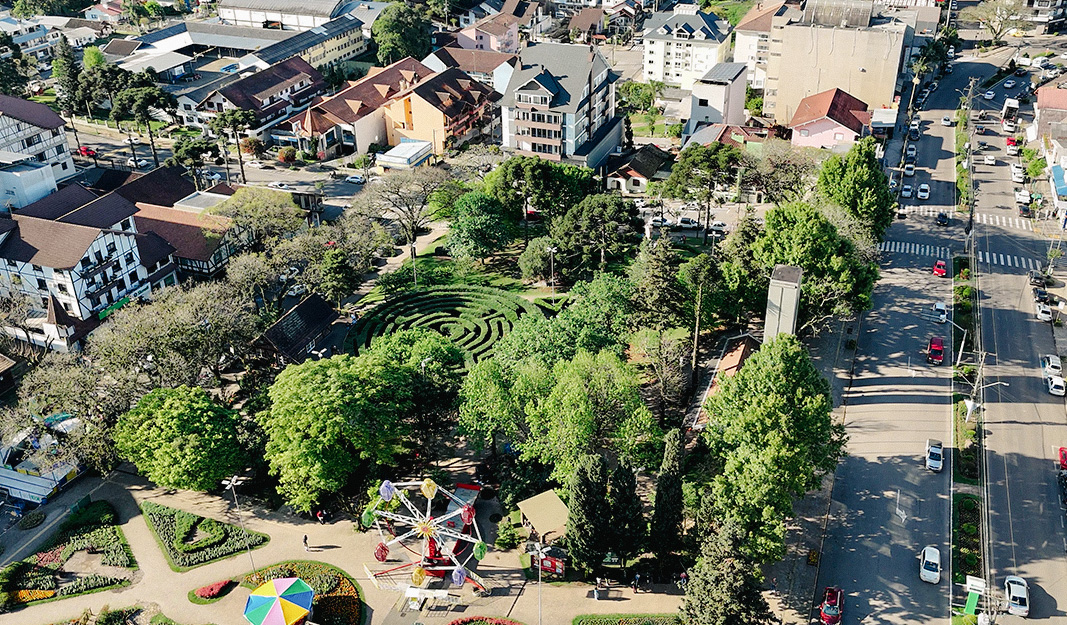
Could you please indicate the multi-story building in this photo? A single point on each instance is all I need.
(33, 38)
(499, 33)
(681, 45)
(1047, 16)
(842, 44)
(448, 109)
(107, 11)
(718, 97)
(339, 40)
(752, 40)
(485, 66)
(560, 105)
(832, 120)
(34, 129)
(23, 180)
(284, 14)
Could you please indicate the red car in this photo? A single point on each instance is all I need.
(833, 603)
(935, 353)
(941, 268)
(86, 151)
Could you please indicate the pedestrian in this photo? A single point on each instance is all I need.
(683, 579)
(306, 548)
(322, 517)
(598, 582)
(633, 586)
(596, 594)
(774, 585)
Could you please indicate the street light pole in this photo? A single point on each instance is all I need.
(231, 485)
(552, 268)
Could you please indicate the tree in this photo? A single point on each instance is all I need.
(666, 527)
(179, 438)
(401, 31)
(662, 352)
(266, 213)
(13, 79)
(65, 71)
(698, 274)
(723, 586)
(475, 161)
(600, 226)
(249, 276)
(635, 96)
(701, 171)
(743, 281)
(191, 153)
(92, 57)
(535, 262)
(781, 171)
(535, 184)
(588, 514)
(657, 292)
(480, 226)
(997, 17)
(331, 418)
(494, 396)
(837, 280)
(339, 279)
(405, 196)
(233, 121)
(772, 433)
(628, 528)
(858, 184)
(139, 103)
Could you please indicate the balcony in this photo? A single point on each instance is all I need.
(525, 123)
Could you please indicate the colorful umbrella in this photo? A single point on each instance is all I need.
(283, 601)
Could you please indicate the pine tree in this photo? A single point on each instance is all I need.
(667, 514)
(339, 278)
(65, 70)
(657, 290)
(723, 587)
(587, 521)
(628, 525)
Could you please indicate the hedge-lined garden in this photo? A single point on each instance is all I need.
(175, 529)
(338, 598)
(37, 578)
(473, 317)
(627, 619)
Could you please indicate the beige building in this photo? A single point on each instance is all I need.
(446, 109)
(840, 44)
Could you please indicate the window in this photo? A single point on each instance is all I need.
(702, 102)
(804, 132)
(41, 284)
(11, 263)
(129, 258)
(110, 248)
(126, 224)
(62, 287)
(55, 132)
(838, 136)
(187, 107)
(36, 268)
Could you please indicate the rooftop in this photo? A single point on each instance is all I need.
(30, 112)
(833, 104)
(724, 73)
(758, 18)
(676, 25)
(474, 61)
(453, 92)
(366, 94)
(45, 242)
(307, 320)
(561, 69)
(316, 8)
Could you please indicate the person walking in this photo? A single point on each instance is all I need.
(322, 517)
(596, 594)
(306, 548)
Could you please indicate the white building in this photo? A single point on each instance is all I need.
(34, 39)
(752, 41)
(23, 180)
(680, 46)
(717, 98)
(284, 14)
(34, 129)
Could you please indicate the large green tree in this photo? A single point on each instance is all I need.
(92, 57)
(65, 71)
(666, 527)
(480, 226)
(598, 227)
(628, 528)
(142, 104)
(179, 438)
(857, 183)
(723, 587)
(699, 275)
(658, 295)
(997, 17)
(703, 173)
(339, 277)
(192, 153)
(773, 434)
(267, 213)
(400, 31)
(331, 418)
(742, 289)
(588, 514)
(233, 122)
(537, 184)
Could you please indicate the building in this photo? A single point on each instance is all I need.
(107, 11)
(560, 105)
(831, 120)
(1047, 16)
(281, 14)
(332, 43)
(747, 138)
(485, 66)
(752, 40)
(34, 39)
(353, 119)
(734, 353)
(365, 12)
(407, 155)
(681, 45)
(499, 33)
(1050, 111)
(589, 23)
(631, 174)
(533, 19)
(273, 94)
(34, 129)
(718, 97)
(805, 55)
(23, 180)
(546, 515)
(447, 108)
(300, 332)
(479, 11)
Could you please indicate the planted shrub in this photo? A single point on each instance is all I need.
(213, 591)
(176, 529)
(506, 536)
(31, 520)
(87, 583)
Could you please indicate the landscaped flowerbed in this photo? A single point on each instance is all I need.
(966, 537)
(36, 578)
(483, 620)
(175, 531)
(338, 599)
(627, 619)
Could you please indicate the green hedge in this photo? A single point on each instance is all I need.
(627, 619)
(173, 529)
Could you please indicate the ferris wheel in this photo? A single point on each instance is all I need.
(439, 546)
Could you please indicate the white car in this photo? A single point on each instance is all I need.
(296, 291)
(1018, 594)
(1009, 84)
(1051, 365)
(940, 310)
(930, 565)
(946, 121)
(1056, 386)
(1042, 312)
(138, 163)
(935, 455)
(989, 159)
(661, 222)
(914, 126)
(924, 192)
(279, 185)
(688, 222)
(989, 95)
(909, 170)
(1017, 167)
(911, 151)
(213, 176)
(356, 179)
(255, 164)
(717, 228)
(906, 191)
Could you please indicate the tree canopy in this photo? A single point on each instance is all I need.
(480, 226)
(997, 17)
(588, 518)
(723, 586)
(597, 228)
(856, 182)
(266, 213)
(701, 171)
(538, 185)
(401, 31)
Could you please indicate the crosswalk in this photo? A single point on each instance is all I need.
(992, 260)
(917, 249)
(1008, 260)
(929, 211)
(1004, 221)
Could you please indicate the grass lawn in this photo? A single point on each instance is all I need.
(48, 98)
(732, 10)
(639, 124)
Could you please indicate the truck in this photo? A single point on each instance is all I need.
(1010, 110)
(1012, 146)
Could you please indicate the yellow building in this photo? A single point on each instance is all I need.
(446, 109)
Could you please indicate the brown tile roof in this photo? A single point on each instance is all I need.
(645, 162)
(475, 61)
(835, 105)
(121, 47)
(496, 25)
(47, 243)
(368, 93)
(758, 18)
(729, 364)
(249, 93)
(163, 186)
(194, 235)
(1052, 97)
(101, 180)
(736, 136)
(63, 201)
(453, 92)
(30, 112)
(587, 19)
(307, 320)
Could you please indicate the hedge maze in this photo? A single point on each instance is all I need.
(473, 317)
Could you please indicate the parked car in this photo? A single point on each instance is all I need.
(1051, 365)
(946, 121)
(930, 565)
(688, 222)
(1056, 386)
(661, 222)
(279, 185)
(1039, 294)
(935, 350)
(989, 159)
(909, 169)
(1024, 211)
(940, 268)
(1042, 312)
(1018, 594)
(138, 163)
(942, 219)
(924, 192)
(1009, 84)
(255, 164)
(296, 291)
(356, 179)
(86, 151)
(1020, 71)
(906, 191)
(833, 602)
(940, 310)
(1022, 196)
(718, 228)
(935, 453)
(911, 151)
(1036, 278)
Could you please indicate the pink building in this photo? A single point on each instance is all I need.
(499, 33)
(832, 120)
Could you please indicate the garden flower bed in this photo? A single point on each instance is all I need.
(338, 598)
(175, 531)
(627, 619)
(93, 529)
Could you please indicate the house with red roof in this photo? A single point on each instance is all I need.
(832, 120)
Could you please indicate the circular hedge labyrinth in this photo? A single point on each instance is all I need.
(473, 317)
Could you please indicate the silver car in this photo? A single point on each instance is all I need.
(1018, 594)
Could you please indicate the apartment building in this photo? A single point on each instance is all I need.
(752, 40)
(560, 105)
(34, 39)
(499, 33)
(718, 97)
(681, 45)
(34, 129)
(448, 109)
(485, 66)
